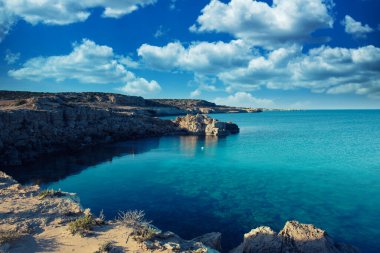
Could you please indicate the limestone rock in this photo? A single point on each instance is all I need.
(261, 239)
(200, 124)
(35, 124)
(297, 237)
(293, 238)
(212, 240)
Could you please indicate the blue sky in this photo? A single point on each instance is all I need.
(282, 53)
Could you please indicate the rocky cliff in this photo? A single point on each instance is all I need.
(293, 238)
(34, 124)
(195, 106)
(32, 220)
(123, 103)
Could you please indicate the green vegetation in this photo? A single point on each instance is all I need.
(82, 225)
(50, 193)
(20, 102)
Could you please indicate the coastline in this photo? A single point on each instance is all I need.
(34, 220)
(35, 124)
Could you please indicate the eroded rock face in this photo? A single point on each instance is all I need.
(200, 124)
(293, 238)
(26, 134)
(34, 124)
(42, 223)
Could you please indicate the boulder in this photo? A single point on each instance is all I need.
(293, 238)
(200, 124)
(212, 240)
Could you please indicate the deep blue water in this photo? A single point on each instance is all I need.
(320, 167)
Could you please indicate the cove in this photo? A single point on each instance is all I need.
(319, 167)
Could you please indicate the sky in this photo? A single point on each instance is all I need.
(301, 54)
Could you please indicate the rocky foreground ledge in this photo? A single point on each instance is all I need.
(32, 220)
(35, 124)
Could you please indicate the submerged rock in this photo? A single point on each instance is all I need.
(200, 124)
(293, 238)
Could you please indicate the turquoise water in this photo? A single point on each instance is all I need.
(320, 167)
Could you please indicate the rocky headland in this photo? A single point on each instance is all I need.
(32, 220)
(35, 124)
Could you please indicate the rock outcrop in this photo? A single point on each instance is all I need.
(204, 125)
(32, 222)
(195, 106)
(28, 133)
(138, 105)
(32, 126)
(293, 238)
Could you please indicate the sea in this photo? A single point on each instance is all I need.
(320, 167)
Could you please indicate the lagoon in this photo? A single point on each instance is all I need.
(319, 167)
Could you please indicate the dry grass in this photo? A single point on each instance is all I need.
(142, 230)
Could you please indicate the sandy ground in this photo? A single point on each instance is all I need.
(36, 224)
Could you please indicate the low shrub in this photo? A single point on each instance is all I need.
(50, 193)
(82, 225)
(105, 247)
(9, 236)
(142, 230)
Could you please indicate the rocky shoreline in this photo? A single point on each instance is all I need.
(35, 124)
(32, 220)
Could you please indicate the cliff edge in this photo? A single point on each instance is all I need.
(32, 220)
(35, 124)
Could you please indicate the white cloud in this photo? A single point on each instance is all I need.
(88, 63)
(265, 70)
(356, 28)
(286, 21)
(140, 86)
(7, 20)
(203, 87)
(244, 99)
(61, 12)
(195, 93)
(203, 83)
(324, 69)
(11, 58)
(200, 57)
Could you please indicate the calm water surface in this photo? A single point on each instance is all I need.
(320, 167)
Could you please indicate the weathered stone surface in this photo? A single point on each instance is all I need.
(200, 124)
(212, 240)
(27, 134)
(42, 222)
(33, 124)
(293, 238)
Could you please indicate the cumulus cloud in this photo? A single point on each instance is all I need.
(244, 99)
(265, 70)
(61, 12)
(200, 57)
(88, 63)
(285, 21)
(323, 69)
(356, 28)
